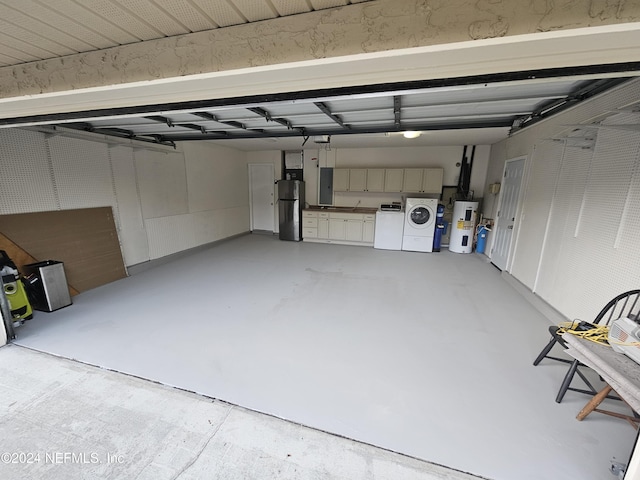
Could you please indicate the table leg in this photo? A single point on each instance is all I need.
(594, 402)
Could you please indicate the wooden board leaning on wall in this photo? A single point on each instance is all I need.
(85, 240)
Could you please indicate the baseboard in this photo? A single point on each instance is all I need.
(141, 267)
(553, 315)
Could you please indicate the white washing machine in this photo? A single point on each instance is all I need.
(419, 224)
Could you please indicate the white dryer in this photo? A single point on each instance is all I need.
(419, 224)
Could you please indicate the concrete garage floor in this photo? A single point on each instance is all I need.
(62, 420)
(424, 354)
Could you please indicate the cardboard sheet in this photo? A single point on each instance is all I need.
(85, 240)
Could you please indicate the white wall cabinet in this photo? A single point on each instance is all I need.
(323, 225)
(375, 179)
(432, 180)
(423, 180)
(357, 180)
(353, 230)
(412, 180)
(338, 227)
(340, 179)
(368, 228)
(393, 179)
(398, 180)
(361, 179)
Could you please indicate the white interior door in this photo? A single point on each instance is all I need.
(261, 192)
(508, 206)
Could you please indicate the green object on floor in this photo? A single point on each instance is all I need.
(14, 289)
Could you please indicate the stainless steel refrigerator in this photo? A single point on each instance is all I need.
(290, 205)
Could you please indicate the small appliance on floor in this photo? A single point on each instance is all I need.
(419, 224)
(14, 290)
(463, 225)
(48, 289)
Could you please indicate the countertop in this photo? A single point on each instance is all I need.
(367, 210)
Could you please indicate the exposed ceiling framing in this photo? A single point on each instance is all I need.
(512, 101)
(33, 30)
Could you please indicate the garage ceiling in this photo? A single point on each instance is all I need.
(496, 107)
(32, 30)
(451, 111)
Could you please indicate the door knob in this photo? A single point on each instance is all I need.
(510, 227)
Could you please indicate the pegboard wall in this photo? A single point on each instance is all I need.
(82, 174)
(145, 187)
(581, 249)
(133, 235)
(556, 282)
(543, 170)
(26, 177)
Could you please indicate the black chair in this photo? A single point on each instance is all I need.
(624, 305)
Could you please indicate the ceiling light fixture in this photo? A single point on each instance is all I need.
(411, 134)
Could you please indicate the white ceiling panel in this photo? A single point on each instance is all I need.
(220, 12)
(12, 53)
(158, 17)
(368, 117)
(187, 14)
(255, 10)
(322, 4)
(28, 38)
(290, 7)
(75, 27)
(359, 104)
(30, 29)
(114, 14)
(81, 17)
(551, 89)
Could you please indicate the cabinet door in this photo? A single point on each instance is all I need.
(412, 180)
(337, 229)
(308, 232)
(368, 229)
(393, 179)
(353, 230)
(323, 228)
(357, 179)
(341, 180)
(375, 180)
(432, 180)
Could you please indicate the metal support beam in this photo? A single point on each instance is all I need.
(324, 109)
(121, 133)
(382, 129)
(206, 116)
(555, 106)
(282, 121)
(396, 111)
(171, 123)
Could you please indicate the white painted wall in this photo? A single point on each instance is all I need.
(164, 200)
(211, 189)
(577, 236)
